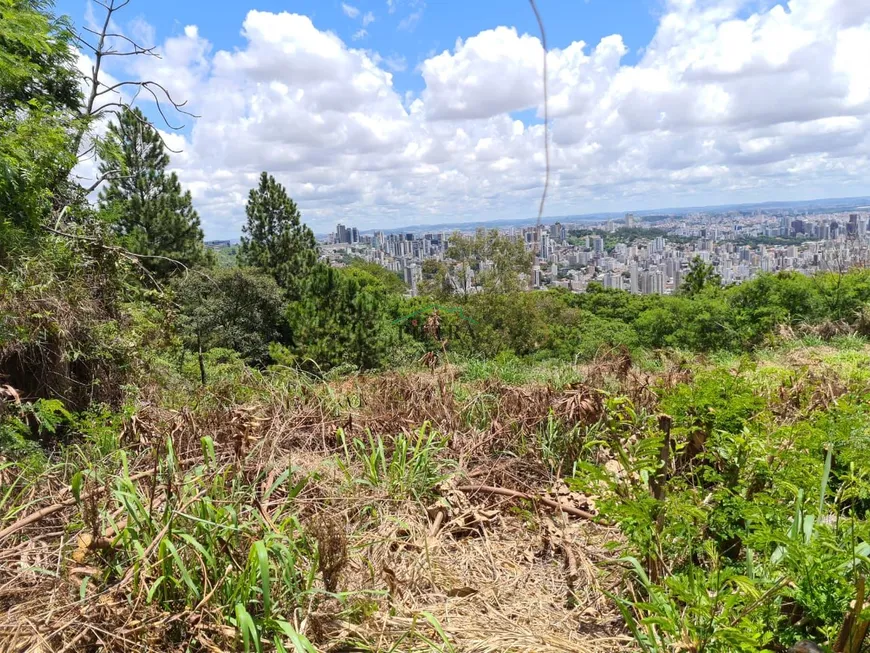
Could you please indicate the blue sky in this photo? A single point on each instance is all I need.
(372, 113)
(414, 29)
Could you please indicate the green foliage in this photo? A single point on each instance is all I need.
(743, 512)
(36, 59)
(506, 260)
(61, 335)
(406, 465)
(39, 99)
(35, 156)
(741, 538)
(144, 202)
(231, 308)
(391, 281)
(435, 279)
(578, 335)
(503, 322)
(276, 241)
(568, 326)
(342, 317)
(700, 275)
(192, 539)
(226, 257)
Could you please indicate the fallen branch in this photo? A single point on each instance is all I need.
(436, 524)
(555, 505)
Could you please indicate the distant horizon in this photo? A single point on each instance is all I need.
(609, 215)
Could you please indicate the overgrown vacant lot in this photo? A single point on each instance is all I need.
(663, 504)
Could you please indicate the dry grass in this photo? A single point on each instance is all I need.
(435, 567)
(490, 571)
(502, 588)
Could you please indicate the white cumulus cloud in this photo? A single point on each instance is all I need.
(724, 104)
(349, 10)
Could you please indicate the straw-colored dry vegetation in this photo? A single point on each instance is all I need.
(448, 509)
(411, 511)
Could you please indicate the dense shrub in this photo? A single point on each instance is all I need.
(342, 318)
(565, 325)
(62, 332)
(231, 308)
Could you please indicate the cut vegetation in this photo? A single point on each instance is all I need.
(708, 505)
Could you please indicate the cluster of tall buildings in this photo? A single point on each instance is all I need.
(573, 255)
(346, 235)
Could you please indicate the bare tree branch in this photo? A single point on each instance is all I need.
(143, 121)
(137, 48)
(179, 106)
(111, 174)
(132, 256)
(112, 7)
(83, 42)
(97, 89)
(87, 153)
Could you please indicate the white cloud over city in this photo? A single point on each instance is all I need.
(723, 104)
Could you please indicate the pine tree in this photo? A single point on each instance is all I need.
(342, 318)
(276, 241)
(700, 275)
(149, 209)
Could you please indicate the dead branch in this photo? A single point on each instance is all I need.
(114, 248)
(97, 88)
(137, 49)
(489, 489)
(133, 257)
(111, 174)
(559, 540)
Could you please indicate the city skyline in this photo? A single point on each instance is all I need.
(858, 202)
(832, 204)
(655, 259)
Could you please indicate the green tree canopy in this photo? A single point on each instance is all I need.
(276, 241)
(342, 318)
(232, 308)
(145, 203)
(496, 259)
(391, 281)
(37, 61)
(39, 104)
(700, 275)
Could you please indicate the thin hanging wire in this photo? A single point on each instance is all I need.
(546, 114)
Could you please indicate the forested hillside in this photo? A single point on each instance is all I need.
(265, 453)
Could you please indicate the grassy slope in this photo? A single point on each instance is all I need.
(275, 512)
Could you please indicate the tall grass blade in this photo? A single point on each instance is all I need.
(262, 556)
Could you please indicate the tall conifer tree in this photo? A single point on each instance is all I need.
(276, 241)
(150, 210)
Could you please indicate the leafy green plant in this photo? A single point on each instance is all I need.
(407, 465)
